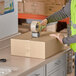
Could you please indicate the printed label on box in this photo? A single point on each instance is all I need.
(6, 6)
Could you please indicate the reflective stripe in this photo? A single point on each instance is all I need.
(74, 25)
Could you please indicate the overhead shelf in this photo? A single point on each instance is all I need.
(66, 20)
(31, 16)
(38, 17)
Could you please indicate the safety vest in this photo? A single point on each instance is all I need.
(73, 23)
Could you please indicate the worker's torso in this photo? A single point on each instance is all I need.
(73, 22)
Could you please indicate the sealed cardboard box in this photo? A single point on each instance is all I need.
(41, 8)
(42, 47)
(51, 9)
(29, 7)
(1, 7)
(58, 2)
(20, 7)
(34, 8)
(34, 0)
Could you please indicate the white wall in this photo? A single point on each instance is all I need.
(9, 23)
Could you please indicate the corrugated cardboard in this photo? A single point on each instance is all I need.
(34, 0)
(1, 7)
(52, 8)
(56, 2)
(34, 8)
(42, 47)
(20, 7)
(23, 30)
(49, 1)
(41, 8)
(52, 27)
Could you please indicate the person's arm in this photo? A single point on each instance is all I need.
(63, 13)
(65, 40)
(69, 40)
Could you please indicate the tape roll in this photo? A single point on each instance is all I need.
(35, 26)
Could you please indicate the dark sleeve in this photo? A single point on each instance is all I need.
(63, 13)
(69, 40)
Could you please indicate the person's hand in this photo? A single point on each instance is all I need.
(58, 36)
(44, 23)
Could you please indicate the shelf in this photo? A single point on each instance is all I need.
(38, 17)
(31, 16)
(66, 20)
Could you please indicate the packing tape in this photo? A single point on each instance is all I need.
(35, 26)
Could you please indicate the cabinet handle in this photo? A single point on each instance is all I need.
(57, 63)
(37, 74)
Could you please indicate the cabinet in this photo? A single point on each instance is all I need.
(39, 72)
(56, 67)
(60, 72)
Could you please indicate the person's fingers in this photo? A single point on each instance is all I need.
(55, 35)
(44, 29)
(58, 36)
(44, 22)
(52, 35)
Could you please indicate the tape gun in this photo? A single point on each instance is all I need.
(36, 28)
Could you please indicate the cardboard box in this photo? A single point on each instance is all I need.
(34, 0)
(26, 25)
(1, 7)
(52, 27)
(51, 9)
(42, 47)
(53, 2)
(23, 29)
(56, 2)
(34, 8)
(29, 7)
(41, 8)
(49, 1)
(20, 7)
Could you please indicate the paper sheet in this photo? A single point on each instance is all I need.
(6, 6)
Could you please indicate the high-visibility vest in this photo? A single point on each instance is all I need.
(73, 23)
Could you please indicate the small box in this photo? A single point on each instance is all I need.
(42, 47)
